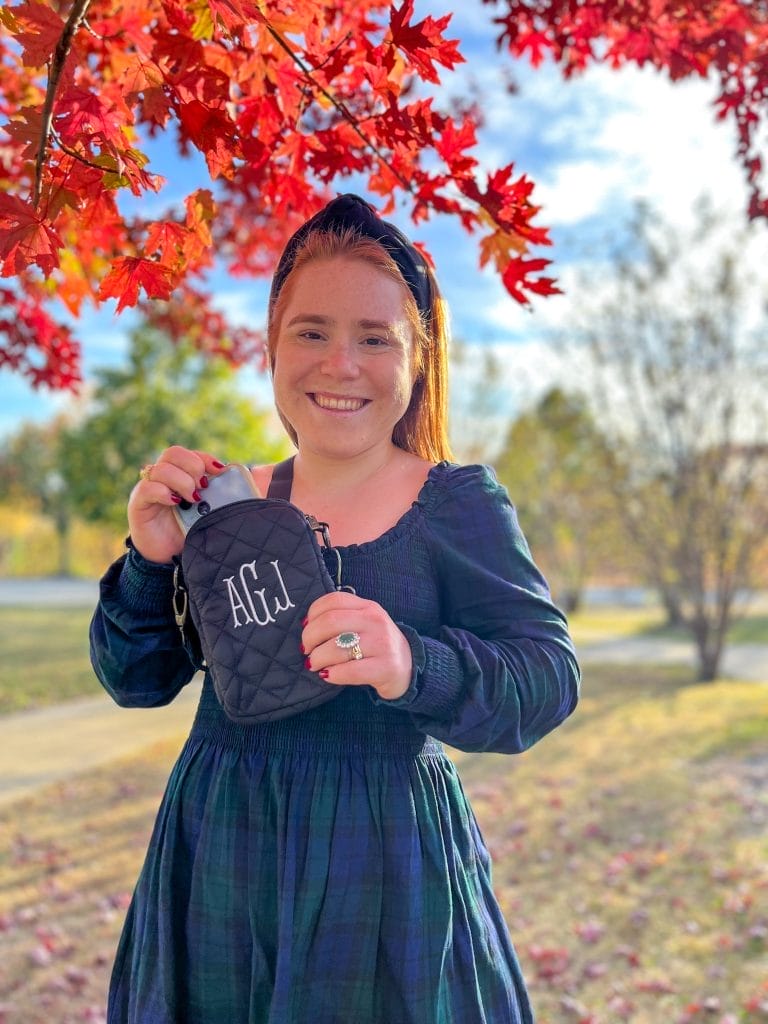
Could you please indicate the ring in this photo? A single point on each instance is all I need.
(350, 642)
(144, 473)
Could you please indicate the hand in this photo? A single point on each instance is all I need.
(386, 663)
(178, 473)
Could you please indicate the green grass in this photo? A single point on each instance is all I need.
(630, 856)
(45, 657)
(598, 623)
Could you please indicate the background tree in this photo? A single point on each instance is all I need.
(675, 367)
(552, 464)
(285, 100)
(480, 403)
(165, 395)
(31, 475)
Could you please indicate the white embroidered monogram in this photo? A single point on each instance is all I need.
(244, 599)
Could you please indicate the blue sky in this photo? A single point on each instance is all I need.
(592, 145)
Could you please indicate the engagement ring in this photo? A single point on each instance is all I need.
(350, 642)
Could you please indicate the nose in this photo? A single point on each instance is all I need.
(340, 359)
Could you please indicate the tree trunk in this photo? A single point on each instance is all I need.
(673, 608)
(63, 535)
(709, 651)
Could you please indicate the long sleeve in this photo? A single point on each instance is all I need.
(136, 648)
(502, 672)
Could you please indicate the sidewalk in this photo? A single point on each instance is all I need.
(740, 661)
(48, 745)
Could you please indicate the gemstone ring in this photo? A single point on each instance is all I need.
(350, 642)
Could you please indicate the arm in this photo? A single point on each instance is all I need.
(502, 671)
(136, 648)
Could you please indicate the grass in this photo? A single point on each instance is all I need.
(598, 623)
(45, 657)
(629, 846)
(45, 650)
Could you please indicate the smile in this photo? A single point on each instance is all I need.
(338, 404)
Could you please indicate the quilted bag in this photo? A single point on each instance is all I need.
(250, 571)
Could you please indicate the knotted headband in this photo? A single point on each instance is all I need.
(350, 211)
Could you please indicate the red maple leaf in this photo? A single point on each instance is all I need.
(424, 42)
(517, 281)
(25, 238)
(169, 240)
(41, 32)
(129, 274)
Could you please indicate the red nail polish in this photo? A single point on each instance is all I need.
(217, 464)
(307, 663)
(203, 481)
(304, 622)
(196, 495)
(301, 648)
(323, 673)
(176, 498)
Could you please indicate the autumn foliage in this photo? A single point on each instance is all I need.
(284, 99)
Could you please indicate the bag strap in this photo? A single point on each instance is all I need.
(282, 480)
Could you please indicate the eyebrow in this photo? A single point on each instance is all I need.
(316, 318)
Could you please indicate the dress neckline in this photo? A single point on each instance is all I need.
(407, 520)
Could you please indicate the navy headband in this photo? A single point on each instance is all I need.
(350, 211)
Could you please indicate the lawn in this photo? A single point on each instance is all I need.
(45, 650)
(630, 859)
(598, 622)
(45, 657)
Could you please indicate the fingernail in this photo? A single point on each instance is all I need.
(176, 498)
(301, 648)
(217, 464)
(323, 673)
(307, 663)
(304, 622)
(203, 481)
(196, 495)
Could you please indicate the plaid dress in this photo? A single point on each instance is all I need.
(327, 868)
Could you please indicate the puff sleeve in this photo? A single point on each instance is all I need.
(136, 648)
(502, 671)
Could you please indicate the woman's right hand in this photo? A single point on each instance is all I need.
(179, 473)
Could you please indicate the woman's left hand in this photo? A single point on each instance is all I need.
(386, 663)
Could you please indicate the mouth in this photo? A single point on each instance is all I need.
(337, 403)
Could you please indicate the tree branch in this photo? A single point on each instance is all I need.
(338, 105)
(56, 67)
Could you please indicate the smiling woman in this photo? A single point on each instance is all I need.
(326, 865)
(343, 364)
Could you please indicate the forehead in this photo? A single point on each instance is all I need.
(340, 286)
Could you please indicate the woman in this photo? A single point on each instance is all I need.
(326, 868)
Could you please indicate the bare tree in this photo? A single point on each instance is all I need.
(675, 361)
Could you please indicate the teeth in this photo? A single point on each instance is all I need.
(342, 404)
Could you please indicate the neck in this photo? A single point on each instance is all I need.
(327, 475)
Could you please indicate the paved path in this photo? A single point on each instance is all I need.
(48, 745)
(741, 661)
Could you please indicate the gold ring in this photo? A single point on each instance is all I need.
(350, 642)
(144, 473)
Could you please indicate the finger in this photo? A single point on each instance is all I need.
(352, 673)
(335, 600)
(172, 479)
(330, 653)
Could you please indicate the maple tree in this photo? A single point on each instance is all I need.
(284, 99)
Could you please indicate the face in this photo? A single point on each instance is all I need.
(344, 355)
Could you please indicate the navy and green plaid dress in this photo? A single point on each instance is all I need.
(327, 868)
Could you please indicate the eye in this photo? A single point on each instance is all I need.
(374, 341)
(311, 335)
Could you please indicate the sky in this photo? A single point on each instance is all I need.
(593, 145)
